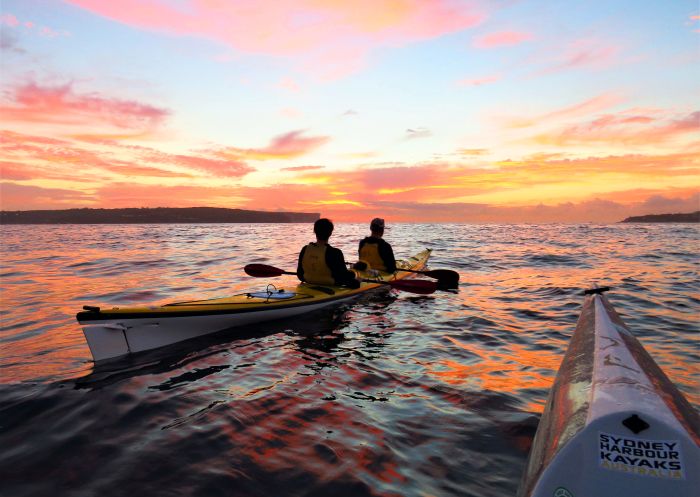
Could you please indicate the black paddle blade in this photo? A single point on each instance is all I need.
(262, 270)
(421, 287)
(446, 277)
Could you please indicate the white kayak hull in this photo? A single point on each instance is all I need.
(114, 338)
(118, 331)
(614, 424)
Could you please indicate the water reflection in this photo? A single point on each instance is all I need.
(392, 394)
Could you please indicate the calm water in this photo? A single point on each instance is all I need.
(391, 395)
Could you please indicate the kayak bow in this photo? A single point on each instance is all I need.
(121, 331)
(614, 424)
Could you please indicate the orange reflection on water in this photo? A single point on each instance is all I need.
(510, 370)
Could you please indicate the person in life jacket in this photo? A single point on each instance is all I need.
(375, 251)
(321, 264)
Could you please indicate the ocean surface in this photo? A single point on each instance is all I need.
(393, 394)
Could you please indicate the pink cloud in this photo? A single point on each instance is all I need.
(595, 104)
(485, 80)
(215, 167)
(289, 84)
(625, 128)
(590, 106)
(287, 146)
(338, 32)
(12, 21)
(9, 20)
(502, 39)
(582, 54)
(302, 168)
(31, 102)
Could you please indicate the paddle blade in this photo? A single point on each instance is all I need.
(262, 270)
(446, 277)
(421, 287)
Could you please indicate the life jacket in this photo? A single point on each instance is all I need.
(316, 271)
(370, 254)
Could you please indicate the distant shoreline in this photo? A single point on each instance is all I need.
(690, 217)
(157, 215)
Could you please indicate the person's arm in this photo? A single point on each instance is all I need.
(340, 273)
(387, 255)
(336, 263)
(300, 268)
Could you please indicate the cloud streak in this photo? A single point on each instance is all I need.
(502, 39)
(286, 146)
(334, 32)
(625, 128)
(34, 103)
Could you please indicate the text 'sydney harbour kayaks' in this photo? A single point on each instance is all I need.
(120, 331)
(614, 424)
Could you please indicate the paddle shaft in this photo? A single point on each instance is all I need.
(415, 286)
(446, 276)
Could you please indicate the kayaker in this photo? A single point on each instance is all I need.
(376, 251)
(321, 264)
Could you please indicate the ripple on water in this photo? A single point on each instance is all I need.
(390, 395)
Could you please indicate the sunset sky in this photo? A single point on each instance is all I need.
(412, 110)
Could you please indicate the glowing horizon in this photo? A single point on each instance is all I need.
(442, 111)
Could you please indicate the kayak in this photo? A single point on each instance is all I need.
(614, 425)
(120, 331)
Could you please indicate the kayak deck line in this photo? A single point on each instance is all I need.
(123, 330)
(614, 424)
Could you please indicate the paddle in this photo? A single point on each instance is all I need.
(422, 287)
(446, 277)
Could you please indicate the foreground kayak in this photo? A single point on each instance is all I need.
(119, 331)
(614, 424)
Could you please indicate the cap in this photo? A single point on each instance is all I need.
(377, 223)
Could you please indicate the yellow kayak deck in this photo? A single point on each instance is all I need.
(299, 295)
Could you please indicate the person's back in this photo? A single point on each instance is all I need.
(376, 251)
(321, 264)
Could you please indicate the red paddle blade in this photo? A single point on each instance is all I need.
(262, 270)
(422, 287)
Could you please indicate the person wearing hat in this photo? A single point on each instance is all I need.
(321, 264)
(375, 251)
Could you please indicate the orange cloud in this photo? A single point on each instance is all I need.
(15, 171)
(502, 39)
(134, 194)
(26, 197)
(472, 151)
(49, 158)
(337, 32)
(287, 146)
(34, 103)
